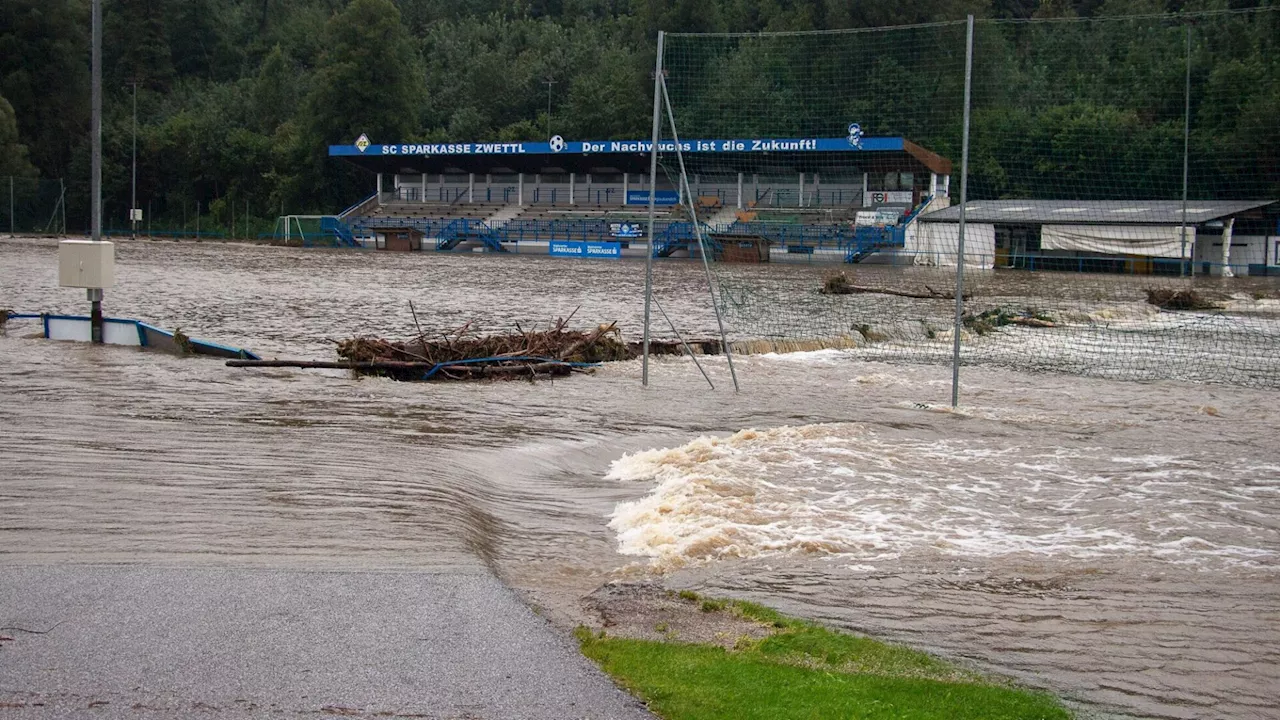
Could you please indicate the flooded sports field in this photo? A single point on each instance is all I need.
(1114, 541)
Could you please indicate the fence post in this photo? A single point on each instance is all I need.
(964, 189)
(1186, 145)
(11, 205)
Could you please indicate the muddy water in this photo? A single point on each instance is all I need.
(1116, 542)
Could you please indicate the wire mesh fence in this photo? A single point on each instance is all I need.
(1120, 216)
(32, 206)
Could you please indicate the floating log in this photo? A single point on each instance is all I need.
(840, 285)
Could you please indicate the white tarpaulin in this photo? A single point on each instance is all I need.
(1148, 240)
(934, 243)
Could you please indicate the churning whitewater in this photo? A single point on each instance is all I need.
(842, 490)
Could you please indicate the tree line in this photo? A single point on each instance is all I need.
(238, 99)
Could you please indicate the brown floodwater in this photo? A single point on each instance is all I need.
(1116, 542)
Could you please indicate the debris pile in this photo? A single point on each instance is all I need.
(1187, 299)
(461, 355)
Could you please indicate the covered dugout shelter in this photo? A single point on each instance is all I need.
(801, 172)
(1231, 237)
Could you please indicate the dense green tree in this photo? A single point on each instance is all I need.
(13, 154)
(135, 44)
(369, 81)
(44, 73)
(239, 99)
(275, 92)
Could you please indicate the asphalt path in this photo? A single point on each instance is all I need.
(91, 641)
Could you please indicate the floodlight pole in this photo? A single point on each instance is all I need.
(133, 203)
(653, 172)
(964, 196)
(1186, 146)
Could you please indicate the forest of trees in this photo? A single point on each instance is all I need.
(238, 99)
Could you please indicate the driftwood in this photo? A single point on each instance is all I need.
(840, 285)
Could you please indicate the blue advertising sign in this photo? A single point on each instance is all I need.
(587, 147)
(610, 250)
(662, 197)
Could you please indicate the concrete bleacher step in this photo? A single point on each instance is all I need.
(503, 215)
(723, 216)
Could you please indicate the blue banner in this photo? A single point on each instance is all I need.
(589, 147)
(662, 197)
(609, 250)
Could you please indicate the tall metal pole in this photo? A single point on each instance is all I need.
(1186, 154)
(95, 130)
(548, 82)
(653, 172)
(964, 196)
(95, 296)
(133, 203)
(697, 231)
(11, 205)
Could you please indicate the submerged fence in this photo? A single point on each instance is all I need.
(1112, 200)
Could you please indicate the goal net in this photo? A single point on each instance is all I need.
(1121, 181)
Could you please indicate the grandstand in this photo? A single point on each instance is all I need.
(821, 199)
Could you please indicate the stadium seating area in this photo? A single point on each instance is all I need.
(547, 217)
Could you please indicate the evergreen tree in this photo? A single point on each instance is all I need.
(13, 154)
(135, 46)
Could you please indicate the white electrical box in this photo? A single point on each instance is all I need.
(86, 264)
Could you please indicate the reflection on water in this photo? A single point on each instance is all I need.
(1115, 541)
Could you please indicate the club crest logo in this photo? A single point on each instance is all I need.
(855, 135)
(362, 142)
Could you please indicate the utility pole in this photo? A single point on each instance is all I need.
(549, 82)
(133, 203)
(95, 295)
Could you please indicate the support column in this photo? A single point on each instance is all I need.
(626, 186)
(755, 186)
(817, 189)
(933, 184)
(800, 197)
(572, 178)
(422, 194)
(379, 188)
(1227, 228)
(740, 191)
(589, 202)
(471, 187)
(520, 189)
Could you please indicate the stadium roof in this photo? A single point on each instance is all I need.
(1093, 212)
(867, 154)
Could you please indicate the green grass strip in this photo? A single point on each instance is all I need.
(806, 672)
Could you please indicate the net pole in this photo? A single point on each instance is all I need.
(1186, 154)
(964, 191)
(697, 230)
(653, 172)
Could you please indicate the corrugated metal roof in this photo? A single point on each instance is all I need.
(1093, 212)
